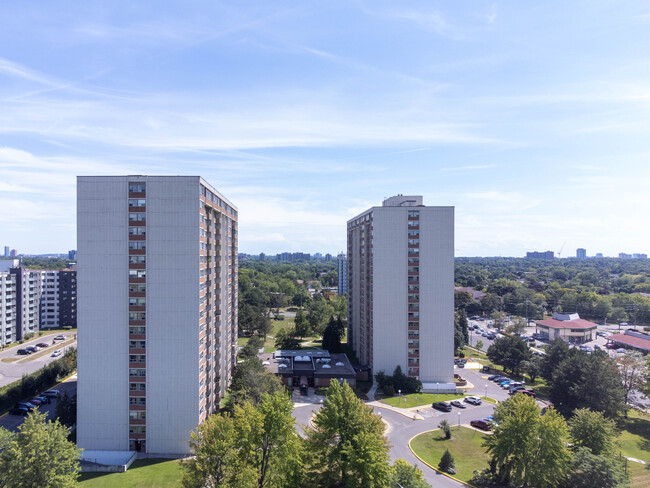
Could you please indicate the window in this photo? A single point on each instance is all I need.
(137, 273)
(137, 187)
(137, 372)
(414, 233)
(137, 429)
(137, 316)
(137, 245)
(137, 414)
(414, 213)
(137, 302)
(137, 202)
(137, 344)
(137, 231)
(137, 358)
(137, 259)
(137, 216)
(138, 287)
(137, 386)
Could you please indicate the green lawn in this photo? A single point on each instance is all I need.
(464, 445)
(408, 401)
(146, 473)
(635, 442)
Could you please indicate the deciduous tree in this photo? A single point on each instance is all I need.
(509, 352)
(407, 476)
(347, 446)
(39, 454)
(529, 448)
(633, 370)
(593, 431)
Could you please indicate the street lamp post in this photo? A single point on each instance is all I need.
(458, 420)
(485, 390)
(399, 397)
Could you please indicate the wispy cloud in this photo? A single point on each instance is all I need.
(478, 167)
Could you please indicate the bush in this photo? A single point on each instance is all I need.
(398, 382)
(446, 464)
(461, 354)
(445, 428)
(389, 390)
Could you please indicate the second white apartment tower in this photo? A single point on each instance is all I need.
(401, 289)
(157, 309)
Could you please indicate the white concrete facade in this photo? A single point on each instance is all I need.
(401, 288)
(157, 309)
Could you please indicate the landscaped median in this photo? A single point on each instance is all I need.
(465, 446)
(425, 399)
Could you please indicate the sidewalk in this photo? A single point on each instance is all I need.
(411, 413)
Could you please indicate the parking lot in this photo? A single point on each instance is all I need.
(12, 422)
(14, 366)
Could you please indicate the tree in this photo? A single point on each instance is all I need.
(317, 313)
(286, 339)
(66, 410)
(301, 324)
(593, 431)
(617, 315)
(589, 471)
(39, 454)
(556, 352)
(519, 325)
(255, 447)
(633, 370)
(215, 461)
(532, 367)
(250, 380)
(509, 352)
(5, 438)
(269, 442)
(407, 476)
(445, 428)
(447, 464)
(462, 300)
(463, 325)
(479, 345)
(499, 319)
(527, 447)
(584, 380)
(347, 445)
(333, 334)
(459, 342)
(252, 347)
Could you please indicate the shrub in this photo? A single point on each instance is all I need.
(389, 390)
(446, 464)
(461, 354)
(445, 428)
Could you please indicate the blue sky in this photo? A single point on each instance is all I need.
(531, 118)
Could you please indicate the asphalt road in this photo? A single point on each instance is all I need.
(10, 372)
(401, 429)
(12, 422)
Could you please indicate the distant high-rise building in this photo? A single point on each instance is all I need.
(328, 257)
(540, 255)
(262, 256)
(72, 254)
(6, 255)
(157, 309)
(599, 255)
(639, 256)
(401, 289)
(13, 253)
(343, 274)
(623, 255)
(581, 253)
(318, 255)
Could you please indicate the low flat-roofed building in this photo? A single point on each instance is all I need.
(631, 339)
(569, 327)
(311, 368)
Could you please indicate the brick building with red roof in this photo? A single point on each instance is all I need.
(569, 327)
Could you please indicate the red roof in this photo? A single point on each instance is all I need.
(628, 340)
(567, 324)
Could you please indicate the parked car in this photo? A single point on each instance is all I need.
(621, 350)
(526, 392)
(51, 393)
(610, 345)
(56, 353)
(499, 379)
(19, 411)
(493, 377)
(42, 345)
(486, 368)
(490, 337)
(444, 406)
(458, 403)
(473, 400)
(32, 349)
(42, 399)
(29, 406)
(23, 352)
(481, 424)
(60, 337)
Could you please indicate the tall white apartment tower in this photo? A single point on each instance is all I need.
(157, 309)
(401, 289)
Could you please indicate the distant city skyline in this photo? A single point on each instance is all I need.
(535, 127)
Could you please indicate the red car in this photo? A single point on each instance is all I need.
(527, 392)
(480, 424)
(43, 345)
